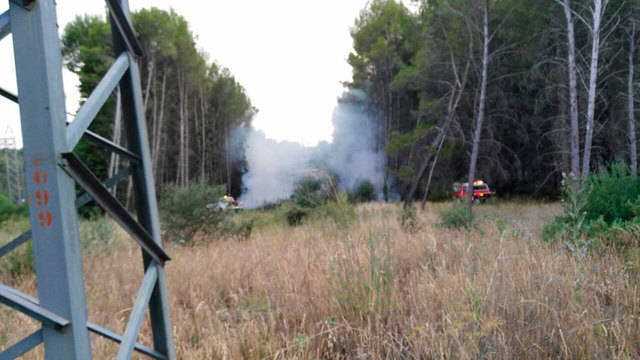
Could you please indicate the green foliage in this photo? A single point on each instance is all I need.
(295, 215)
(338, 210)
(8, 209)
(172, 69)
(97, 235)
(184, 210)
(236, 226)
(309, 193)
(456, 217)
(600, 210)
(612, 194)
(575, 196)
(87, 52)
(363, 192)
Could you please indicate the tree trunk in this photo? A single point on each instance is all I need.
(159, 128)
(598, 10)
(181, 91)
(433, 166)
(573, 91)
(186, 142)
(117, 131)
(228, 157)
(147, 91)
(481, 107)
(203, 152)
(633, 151)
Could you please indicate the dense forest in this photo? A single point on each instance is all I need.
(516, 92)
(192, 105)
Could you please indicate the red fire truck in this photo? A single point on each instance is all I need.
(481, 191)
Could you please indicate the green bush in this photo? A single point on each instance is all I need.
(97, 234)
(308, 193)
(184, 210)
(455, 217)
(363, 192)
(237, 226)
(339, 210)
(600, 210)
(612, 194)
(295, 215)
(8, 209)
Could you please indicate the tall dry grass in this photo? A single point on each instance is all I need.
(377, 291)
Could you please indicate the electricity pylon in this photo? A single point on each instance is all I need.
(52, 170)
(13, 167)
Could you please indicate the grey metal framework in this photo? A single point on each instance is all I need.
(13, 168)
(52, 171)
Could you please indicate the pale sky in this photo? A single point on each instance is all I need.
(290, 55)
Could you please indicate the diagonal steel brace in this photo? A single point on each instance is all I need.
(88, 181)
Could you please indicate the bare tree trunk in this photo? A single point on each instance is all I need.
(203, 153)
(457, 89)
(598, 11)
(228, 155)
(147, 91)
(481, 107)
(433, 166)
(117, 131)
(180, 169)
(633, 151)
(186, 142)
(573, 91)
(157, 136)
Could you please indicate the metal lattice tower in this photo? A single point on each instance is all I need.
(52, 171)
(13, 167)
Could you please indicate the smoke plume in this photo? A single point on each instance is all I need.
(274, 168)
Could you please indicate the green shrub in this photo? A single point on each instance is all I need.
(600, 210)
(308, 193)
(295, 215)
(237, 226)
(338, 210)
(363, 192)
(8, 209)
(612, 194)
(97, 234)
(184, 210)
(455, 217)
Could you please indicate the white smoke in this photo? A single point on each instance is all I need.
(274, 168)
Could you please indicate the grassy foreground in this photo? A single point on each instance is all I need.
(373, 290)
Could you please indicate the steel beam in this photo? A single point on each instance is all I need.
(4, 93)
(96, 100)
(5, 24)
(86, 198)
(22, 347)
(109, 145)
(25, 4)
(108, 334)
(11, 298)
(21, 239)
(85, 178)
(122, 22)
(136, 129)
(137, 313)
(50, 191)
(80, 202)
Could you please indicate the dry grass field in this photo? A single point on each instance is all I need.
(374, 290)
